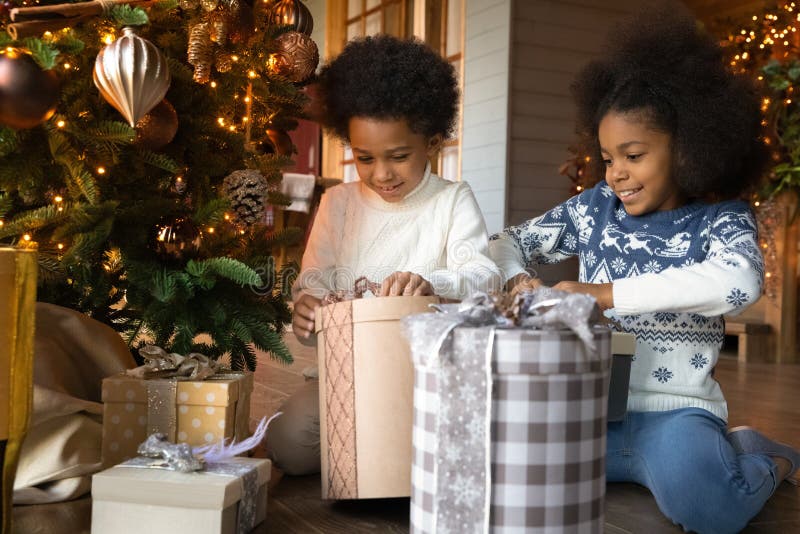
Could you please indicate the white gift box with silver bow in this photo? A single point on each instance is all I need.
(131, 499)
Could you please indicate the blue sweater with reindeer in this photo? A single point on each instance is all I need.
(674, 273)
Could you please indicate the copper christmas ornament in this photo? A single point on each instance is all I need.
(157, 129)
(292, 13)
(281, 141)
(28, 94)
(297, 56)
(132, 75)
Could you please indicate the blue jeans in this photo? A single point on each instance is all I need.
(698, 480)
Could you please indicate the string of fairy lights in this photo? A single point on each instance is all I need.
(770, 37)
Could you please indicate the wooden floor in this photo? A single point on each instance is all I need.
(766, 396)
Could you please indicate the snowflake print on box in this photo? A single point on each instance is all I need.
(464, 416)
(662, 374)
(699, 361)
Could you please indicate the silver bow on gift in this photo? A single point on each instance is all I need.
(160, 364)
(544, 308)
(176, 456)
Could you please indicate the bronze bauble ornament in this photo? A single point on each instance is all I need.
(292, 13)
(157, 129)
(28, 94)
(132, 75)
(281, 141)
(177, 239)
(297, 56)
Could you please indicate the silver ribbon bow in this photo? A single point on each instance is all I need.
(160, 364)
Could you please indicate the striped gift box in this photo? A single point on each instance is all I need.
(543, 399)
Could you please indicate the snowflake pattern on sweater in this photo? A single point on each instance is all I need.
(675, 274)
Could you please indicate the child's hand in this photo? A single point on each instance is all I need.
(303, 316)
(604, 293)
(405, 283)
(521, 282)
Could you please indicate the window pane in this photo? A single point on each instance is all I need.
(457, 65)
(453, 43)
(353, 8)
(392, 23)
(354, 30)
(373, 24)
(448, 163)
(373, 3)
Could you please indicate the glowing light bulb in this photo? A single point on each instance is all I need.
(58, 198)
(61, 124)
(213, 85)
(60, 246)
(101, 170)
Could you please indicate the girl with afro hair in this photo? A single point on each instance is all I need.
(394, 102)
(667, 249)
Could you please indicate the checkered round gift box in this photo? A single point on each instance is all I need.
(509, 429)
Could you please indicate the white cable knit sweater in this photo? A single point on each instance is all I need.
(436, 231)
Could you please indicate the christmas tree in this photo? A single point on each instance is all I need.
(149, 217)
(765, 47)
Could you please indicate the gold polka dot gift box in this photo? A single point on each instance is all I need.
(196, 412)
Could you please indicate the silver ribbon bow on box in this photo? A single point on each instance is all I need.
(160, 364)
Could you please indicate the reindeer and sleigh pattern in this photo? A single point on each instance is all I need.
(612, 245)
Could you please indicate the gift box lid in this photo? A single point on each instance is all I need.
(211, 392)
(372, 310)
(164, 487)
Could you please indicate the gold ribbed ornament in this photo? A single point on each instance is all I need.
(132, 75)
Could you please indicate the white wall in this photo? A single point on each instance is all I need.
(520, 58)
(317, 9)
(486, 104)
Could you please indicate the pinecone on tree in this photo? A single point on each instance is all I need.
(247, 190)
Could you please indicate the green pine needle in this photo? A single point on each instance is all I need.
(159, 161)
(231, 269)
(125, 15)
(32, 220)
(42, 53)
